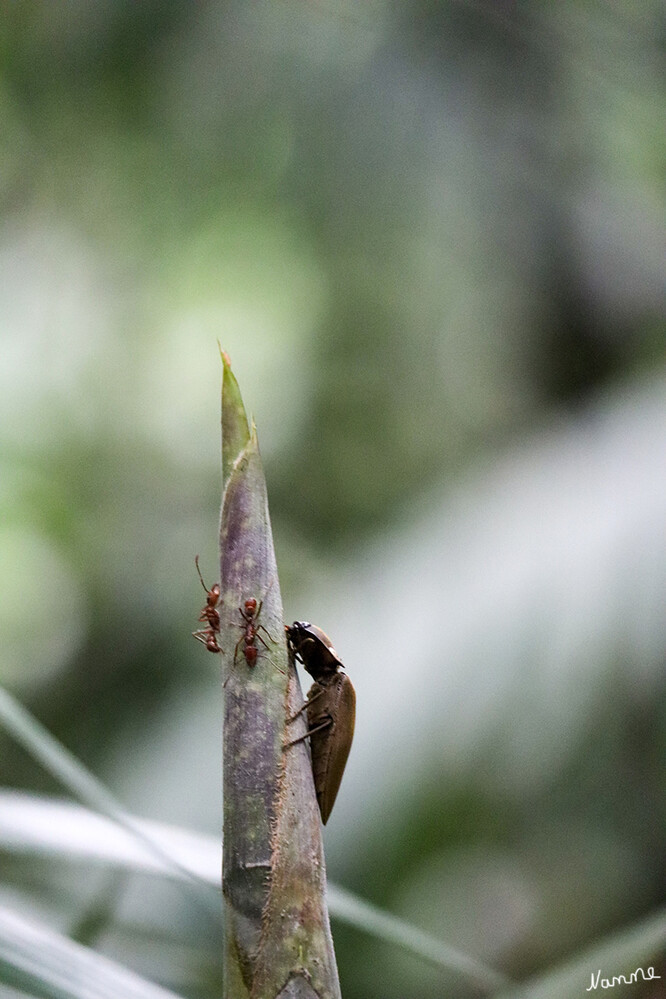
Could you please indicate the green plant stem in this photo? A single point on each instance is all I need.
(278, 940)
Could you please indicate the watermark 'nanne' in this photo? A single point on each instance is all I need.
(609, 983)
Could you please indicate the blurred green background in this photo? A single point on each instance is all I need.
(430, 237)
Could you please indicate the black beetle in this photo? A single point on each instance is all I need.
(330, 707)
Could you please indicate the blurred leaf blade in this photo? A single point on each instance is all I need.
(69, 770)
(617, 954)
(29, 824)
(351, 909)
(52, 966)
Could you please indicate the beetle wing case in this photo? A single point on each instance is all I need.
(336, 702)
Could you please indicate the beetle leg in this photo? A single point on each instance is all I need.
(293, 651)
(301, 738)
(299, 712)
(306, 704)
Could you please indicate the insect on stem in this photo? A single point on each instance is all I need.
(330, 707)
(250, 627)
(209, 612)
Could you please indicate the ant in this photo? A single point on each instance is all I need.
(250, 614)
(208, 636)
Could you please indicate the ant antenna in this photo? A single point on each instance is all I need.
(196, 562)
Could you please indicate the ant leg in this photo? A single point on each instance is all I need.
(238, 643)
(261, 639)
(276, 666)
(260, 627)
(208, 639)
(211, 615)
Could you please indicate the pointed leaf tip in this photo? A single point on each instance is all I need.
(226, 360)
(235, 431)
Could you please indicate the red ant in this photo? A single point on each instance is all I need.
(250, 614)
(251, 629)
(208, 636)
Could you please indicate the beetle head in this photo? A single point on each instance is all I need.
(314, 649)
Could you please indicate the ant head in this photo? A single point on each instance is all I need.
(251, 605)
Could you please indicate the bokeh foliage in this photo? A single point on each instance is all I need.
(430, 238)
